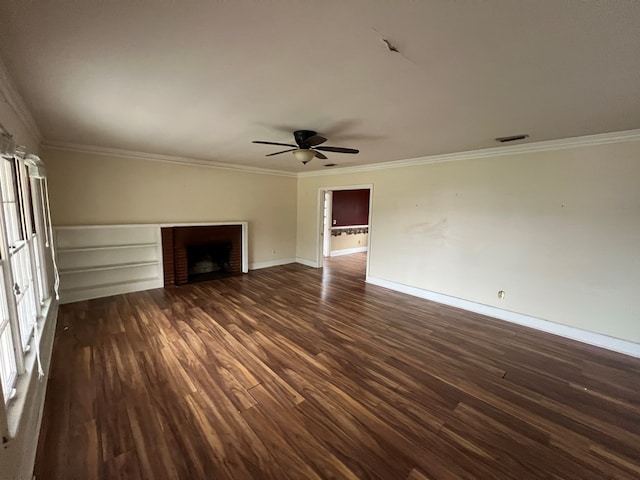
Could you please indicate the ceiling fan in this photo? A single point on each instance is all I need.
(306, 147)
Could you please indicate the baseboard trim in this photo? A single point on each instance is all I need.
(597, 339)
(348, 251)
(271, 263)
(308, 263)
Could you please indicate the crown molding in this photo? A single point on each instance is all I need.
(10, 94)
(116, 152)
(544, 146)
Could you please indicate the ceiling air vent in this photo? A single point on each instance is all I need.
(512, 138)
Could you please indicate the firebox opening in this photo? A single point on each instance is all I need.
(208, 262)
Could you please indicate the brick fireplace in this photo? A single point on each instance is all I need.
(202, 252)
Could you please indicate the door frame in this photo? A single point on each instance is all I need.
(320, 219)
(326, 226)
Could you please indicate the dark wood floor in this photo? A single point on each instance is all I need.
(296, 373)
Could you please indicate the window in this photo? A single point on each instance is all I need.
(8, 368)
(39, 233)
(23, 259)
(9, 185)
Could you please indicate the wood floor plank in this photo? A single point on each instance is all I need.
(122, 467)
(292, 372)
(85, 457)
(53, 454)
(150, 443)
(416, 475)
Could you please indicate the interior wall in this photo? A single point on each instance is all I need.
(97, 189)
(350, 207)
(558, 231)
(347, 242)
(22, 135)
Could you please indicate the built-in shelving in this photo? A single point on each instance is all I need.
(107, 267)
(101, 260)
(108, 247)
(97, 261)
(108, 285)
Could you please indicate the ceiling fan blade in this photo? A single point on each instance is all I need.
(283, 151)
(315, 140)
(275, 143)
(338, 149)
(320, 155)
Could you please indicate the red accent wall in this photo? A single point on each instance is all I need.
(350, 207)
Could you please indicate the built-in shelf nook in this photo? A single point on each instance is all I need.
(101, 260)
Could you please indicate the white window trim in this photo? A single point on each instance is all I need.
(30, 175)
(15, 408)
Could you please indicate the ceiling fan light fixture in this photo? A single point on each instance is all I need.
(304, 155)
(309, 145)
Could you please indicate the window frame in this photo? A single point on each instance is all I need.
(24, 240)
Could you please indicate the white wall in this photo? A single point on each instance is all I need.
(97, 189)
(558, 231)
(13, 121)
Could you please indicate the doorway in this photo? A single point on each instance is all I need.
(344, 226)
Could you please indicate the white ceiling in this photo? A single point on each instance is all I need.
(201, 79)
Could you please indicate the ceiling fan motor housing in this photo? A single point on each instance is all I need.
(302, 136)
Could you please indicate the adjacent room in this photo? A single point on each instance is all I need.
(313, 240)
